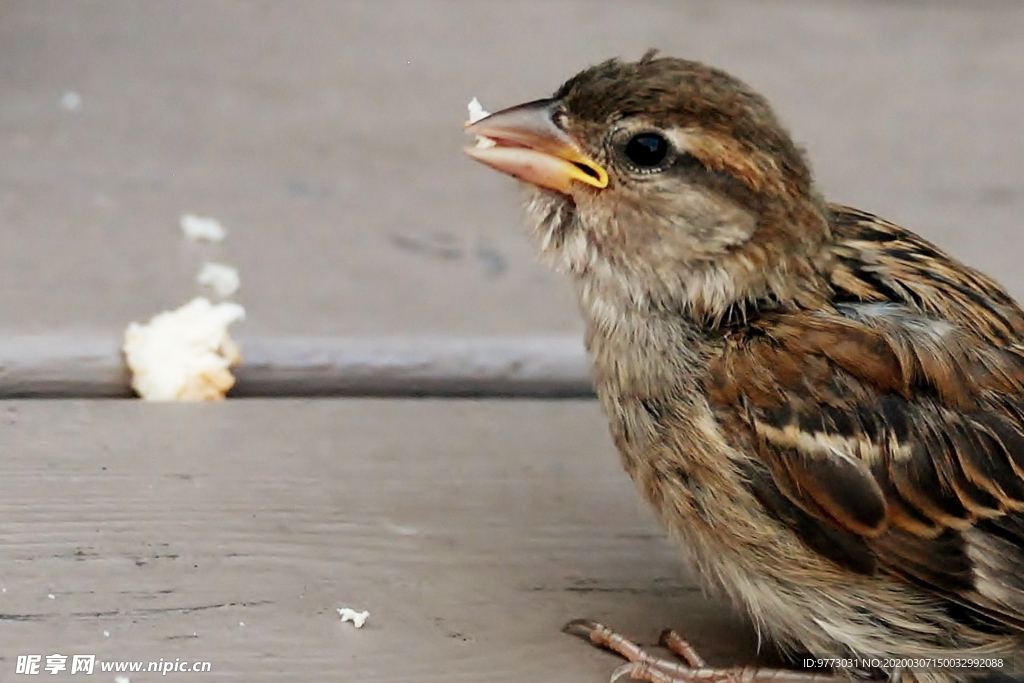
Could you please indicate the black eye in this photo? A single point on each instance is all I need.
(647, 150)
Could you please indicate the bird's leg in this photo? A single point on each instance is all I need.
(642, 666)
(682, 649)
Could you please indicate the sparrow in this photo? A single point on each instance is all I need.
(825, 410)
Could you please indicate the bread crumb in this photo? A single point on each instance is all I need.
(357, 618)
(71, 101)
(202, 228)
(477, 112)
(186, 354)
(222, 279)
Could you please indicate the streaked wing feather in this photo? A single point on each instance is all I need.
(891, 431)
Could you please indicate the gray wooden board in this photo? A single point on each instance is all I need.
(326, 135)
(538, 367)
(471, 531)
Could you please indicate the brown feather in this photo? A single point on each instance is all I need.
(825, 409)
(931, 411)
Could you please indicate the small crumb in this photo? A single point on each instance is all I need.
(71, 101)
(106, 634)
(477, 112)
(222, 279)
(357, 618)
(51, 596)
(186, 354)
(241, 623)
(202, 228)
(402, 530)
(122, 679)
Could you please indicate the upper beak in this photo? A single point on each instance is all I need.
(529, 145)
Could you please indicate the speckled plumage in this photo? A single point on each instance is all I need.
(825, 410)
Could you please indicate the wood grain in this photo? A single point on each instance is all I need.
(470, 530)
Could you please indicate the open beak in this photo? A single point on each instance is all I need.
(525, 142)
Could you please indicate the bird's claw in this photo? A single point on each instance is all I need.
(642, 666)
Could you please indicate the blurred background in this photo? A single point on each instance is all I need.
(325, 135)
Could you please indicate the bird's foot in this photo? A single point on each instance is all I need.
(642, 666)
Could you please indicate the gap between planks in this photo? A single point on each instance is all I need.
(54, 367)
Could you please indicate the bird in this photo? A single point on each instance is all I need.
(824, 409)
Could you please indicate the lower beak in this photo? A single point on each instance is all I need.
(526, 143)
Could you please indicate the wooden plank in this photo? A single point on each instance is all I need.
(327, 141)
(93, 367)
(230, 533)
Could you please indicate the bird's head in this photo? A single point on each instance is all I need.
(664, 184)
